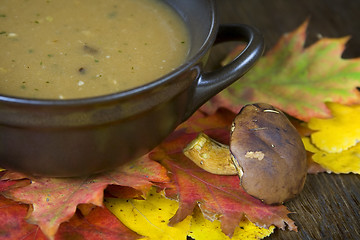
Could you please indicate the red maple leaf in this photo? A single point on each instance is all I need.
(98, 224)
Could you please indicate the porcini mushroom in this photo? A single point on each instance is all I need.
(266, 151)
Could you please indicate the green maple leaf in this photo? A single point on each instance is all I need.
(295, 79)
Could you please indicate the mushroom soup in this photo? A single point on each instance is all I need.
(64, 49)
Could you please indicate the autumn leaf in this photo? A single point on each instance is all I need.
(13, 224)
(203, 229)
(347, 161)
(98, 224)
(295, 79)
(338, 133)
(8, 184)
(334, 141)
(219, 197)
(54, 200)
(150, 217)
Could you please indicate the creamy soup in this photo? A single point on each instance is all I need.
(64, 49)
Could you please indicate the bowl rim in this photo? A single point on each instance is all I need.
(207, 44)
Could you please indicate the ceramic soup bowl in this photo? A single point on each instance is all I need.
(66, 138)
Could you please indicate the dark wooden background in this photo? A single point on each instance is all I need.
(329, 206)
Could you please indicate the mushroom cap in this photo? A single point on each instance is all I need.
(269, 152)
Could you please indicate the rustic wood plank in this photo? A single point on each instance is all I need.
(329, 206)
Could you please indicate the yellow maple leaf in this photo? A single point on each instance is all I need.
(150, 219)
(203, 229)
(338, 133)
(346, 161)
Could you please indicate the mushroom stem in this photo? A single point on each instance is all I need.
(210, 155)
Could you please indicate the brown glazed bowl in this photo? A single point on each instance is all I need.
(65, 138)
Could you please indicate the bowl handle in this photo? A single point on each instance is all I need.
(211, 83)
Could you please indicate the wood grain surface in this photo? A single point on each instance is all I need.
(329, 206)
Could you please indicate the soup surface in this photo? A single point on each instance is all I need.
(64, 49)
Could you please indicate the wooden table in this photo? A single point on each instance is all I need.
(329, 206)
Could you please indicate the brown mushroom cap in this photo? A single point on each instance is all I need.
(270, 153)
